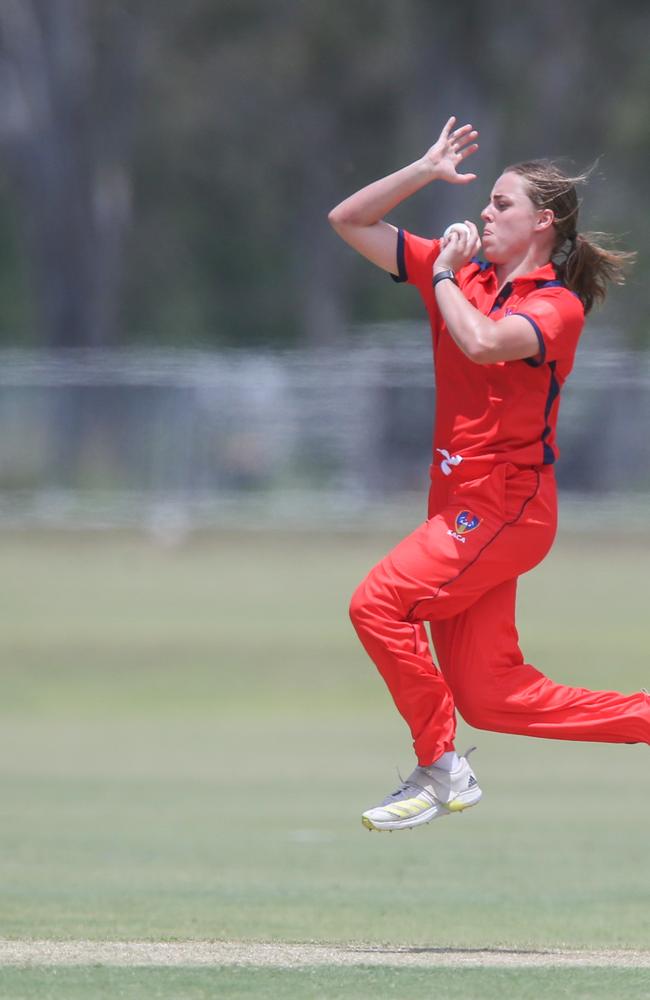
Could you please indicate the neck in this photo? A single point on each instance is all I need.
(533, 258)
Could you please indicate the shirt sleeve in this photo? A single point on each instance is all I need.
(415, 257)
(557, 317)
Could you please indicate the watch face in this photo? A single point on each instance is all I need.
(442, 275)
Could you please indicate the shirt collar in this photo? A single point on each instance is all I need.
(544, 273)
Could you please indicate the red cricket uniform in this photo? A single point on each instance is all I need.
(492, 516)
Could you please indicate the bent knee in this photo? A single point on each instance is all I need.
(372, 600)
(473, 705)
(360, 604)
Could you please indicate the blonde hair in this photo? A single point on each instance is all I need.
(585, 262)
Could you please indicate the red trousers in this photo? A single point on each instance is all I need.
(458, 571)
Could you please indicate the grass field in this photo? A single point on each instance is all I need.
(190, 734)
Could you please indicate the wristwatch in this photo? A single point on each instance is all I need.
(443, 275)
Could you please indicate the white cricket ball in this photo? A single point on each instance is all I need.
(458, 227)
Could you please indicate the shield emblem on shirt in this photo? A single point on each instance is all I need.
(466, 521)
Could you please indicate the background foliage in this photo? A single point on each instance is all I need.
(167, 169)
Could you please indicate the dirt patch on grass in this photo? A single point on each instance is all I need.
(233, 953)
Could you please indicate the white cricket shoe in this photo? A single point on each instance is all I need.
(427, 793)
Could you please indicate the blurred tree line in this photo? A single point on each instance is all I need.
(167, 168)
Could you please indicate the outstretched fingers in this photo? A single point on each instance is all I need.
(458, 133)
(464, 146)
(465, 143)
(446, 129)
(453, 146)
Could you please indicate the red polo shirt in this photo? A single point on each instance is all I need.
(506, 411)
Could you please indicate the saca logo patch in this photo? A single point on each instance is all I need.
(465, 522)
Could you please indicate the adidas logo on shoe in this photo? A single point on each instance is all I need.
(425, 795)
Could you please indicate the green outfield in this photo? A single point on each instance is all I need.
(190, 734)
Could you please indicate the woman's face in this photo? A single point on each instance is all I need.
(510, 220)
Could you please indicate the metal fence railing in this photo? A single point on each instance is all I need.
(200, 434)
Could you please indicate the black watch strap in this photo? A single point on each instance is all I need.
(443, 275)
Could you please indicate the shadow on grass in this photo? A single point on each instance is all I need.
(450, 951)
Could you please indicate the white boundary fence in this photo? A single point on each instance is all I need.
(193, 438)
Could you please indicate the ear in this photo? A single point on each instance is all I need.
(545, 220)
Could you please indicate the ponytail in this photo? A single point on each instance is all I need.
(589, 265)
(585, 262)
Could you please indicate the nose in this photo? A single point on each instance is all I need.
(486, 214)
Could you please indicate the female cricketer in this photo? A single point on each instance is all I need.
(504, 338)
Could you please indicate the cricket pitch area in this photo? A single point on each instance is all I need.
(190, 734)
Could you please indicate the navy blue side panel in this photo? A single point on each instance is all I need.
(540, 339)
(553, 393)
(401, 263)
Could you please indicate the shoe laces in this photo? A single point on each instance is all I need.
(408, 787)
(405, 787)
